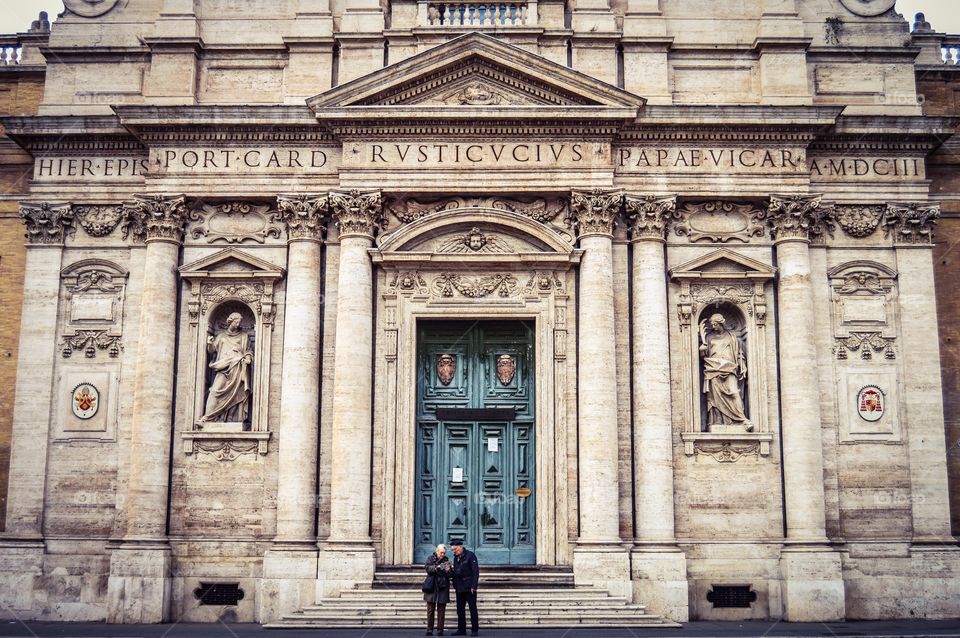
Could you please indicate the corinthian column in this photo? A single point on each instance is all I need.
(658, 566)
(813, 585)
(140, 567)
(347, 558)
(598, 558)
(289, 566)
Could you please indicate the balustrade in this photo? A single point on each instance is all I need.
(951, 49)
(477, 14)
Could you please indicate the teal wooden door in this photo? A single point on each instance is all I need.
(475, 439)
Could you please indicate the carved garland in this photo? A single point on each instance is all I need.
(408, 209)
(505, 285)
(99, 221)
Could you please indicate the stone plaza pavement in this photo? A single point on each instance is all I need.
(892, 628)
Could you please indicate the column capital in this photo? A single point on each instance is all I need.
(648, 215)
(800, 217)
(47, 223)
(910, 222)
(305, 216)
(595, 212)
(155, 218)
(357, 213)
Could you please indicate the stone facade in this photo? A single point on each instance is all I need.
(724, 239)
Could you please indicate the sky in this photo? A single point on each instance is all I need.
(943, 15)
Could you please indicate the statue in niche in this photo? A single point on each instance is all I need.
(228, 399)
(724, 373)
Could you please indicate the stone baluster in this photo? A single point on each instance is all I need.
(347, 558)
(139, 583)
(290, 564)
(599, 558)
(811, 571)
(657, 564)
(911, 225)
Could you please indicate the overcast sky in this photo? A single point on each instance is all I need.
(16, 15)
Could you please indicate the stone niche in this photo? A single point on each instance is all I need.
(724, 362)
(230, 303)
(865, 323)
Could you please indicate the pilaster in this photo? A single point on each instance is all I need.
(811, 571)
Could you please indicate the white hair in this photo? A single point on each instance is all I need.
(441, 546)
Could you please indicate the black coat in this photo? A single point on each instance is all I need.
(441, 580)
(466, 572)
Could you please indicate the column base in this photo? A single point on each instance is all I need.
(139, 586)
(660, 581)
(812, 582)
(21, 566)
(289, 580)
(604, 565)
(344, 566)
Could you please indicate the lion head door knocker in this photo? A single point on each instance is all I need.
(506, 368)
(446, 368)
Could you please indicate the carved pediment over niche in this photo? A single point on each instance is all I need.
(475, 70)
(723, 264)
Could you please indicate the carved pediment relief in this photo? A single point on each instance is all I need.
(475, 70)
(723, 264)
(229, 262)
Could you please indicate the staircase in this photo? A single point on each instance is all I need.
(508, 597)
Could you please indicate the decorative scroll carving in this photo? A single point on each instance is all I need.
(357, 212)
(720, 221)
(727, 452)
(477, 94)
(98, 221)
(89, 341)
(595, 212)
(409, 281)
(475, 241)
(304, 215)
(505, 285)
(798, 217)
(47, 223)
(407, 209)
(154, 217)
(227, 450)
(858, 221)
(251, 294)
(234, 222)
(648, 215)
(911, 223)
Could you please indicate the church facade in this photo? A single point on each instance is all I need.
(609, 291)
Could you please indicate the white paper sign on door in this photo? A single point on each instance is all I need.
(493, 444)
(457, 475)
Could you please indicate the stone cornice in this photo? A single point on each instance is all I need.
(648, 215)
(46, 222)
(67, 135)
(305, 215)
(595, 212)
(357, 213)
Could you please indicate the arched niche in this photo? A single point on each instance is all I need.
(227, 282)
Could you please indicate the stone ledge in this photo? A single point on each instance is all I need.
(727, 446)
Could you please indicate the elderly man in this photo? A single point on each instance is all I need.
(466, 577)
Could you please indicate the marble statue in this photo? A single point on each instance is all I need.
(724, 370)
(229, 397)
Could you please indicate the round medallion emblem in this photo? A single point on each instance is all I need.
(870, 403)
(868, 8)
(90, 8)
(86, 401)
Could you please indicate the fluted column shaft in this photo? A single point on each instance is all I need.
(306, 218)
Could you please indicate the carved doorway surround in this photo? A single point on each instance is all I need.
(473, 263)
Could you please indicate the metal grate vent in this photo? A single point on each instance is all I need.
(218, 594)
(731, 596)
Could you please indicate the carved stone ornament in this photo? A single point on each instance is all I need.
(506, 369)
(447, 284)
(799, 217)
(446, 368)
(228, 450)
(47, 223)
(234, 222)
(727, 452)
(542, 282)
(477, 94)
(858, 221)
(304, 215)
(93, 308)
(648, 215)
(475, 241)
(98, 221)
(409, 281)
(911, 223)
(89, 341)
(720, 221)
(864, 310)
(407, 209)
(90, 8)
(357, 212)
(155, 217)
(867, 344)
(868, 8)
(595, 212)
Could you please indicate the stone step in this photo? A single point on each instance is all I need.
(534, 576)
(579, 593)
(487, 620)
(497, 607)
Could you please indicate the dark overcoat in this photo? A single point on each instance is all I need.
(436, 567)
(466, 572)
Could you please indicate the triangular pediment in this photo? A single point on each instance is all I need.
(476, 71)
(723, 264)
(230, 261)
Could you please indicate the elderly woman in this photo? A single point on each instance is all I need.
(436, 588)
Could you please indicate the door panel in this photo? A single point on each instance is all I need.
(479, 468)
